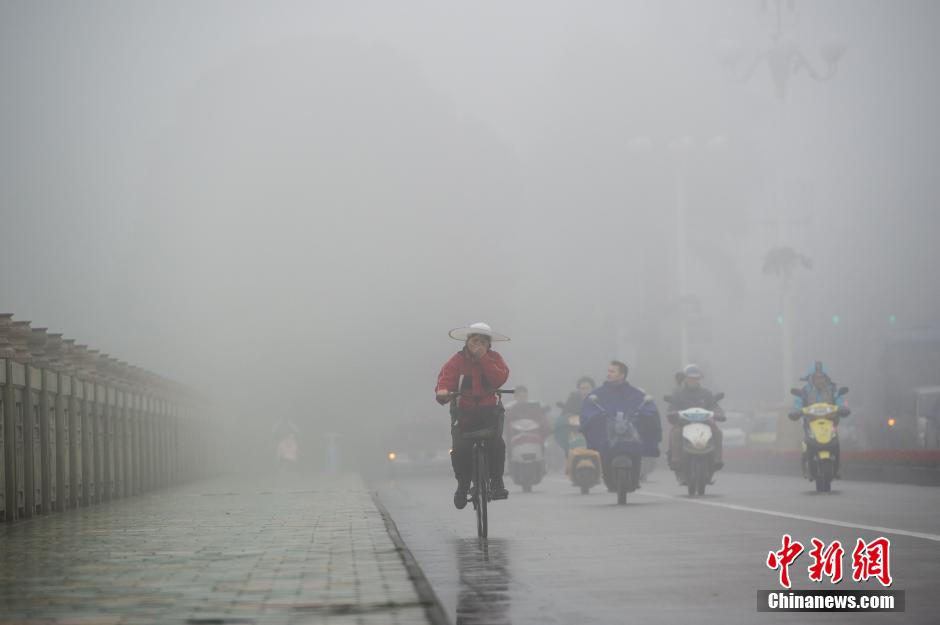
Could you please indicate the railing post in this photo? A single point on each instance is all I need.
(158, 443)
(5, 471)
(101, 452)
(181, 448)
(48, 391)
(116, 450)
(175, 438)
(145, 420)
(110, 440)
(75, 441)
(31, 480)
(152, 442)
(91, 449)
(138, 449)
(62, 425)
(121, 443)
(6, 454)
(18, 404)
(165, 443)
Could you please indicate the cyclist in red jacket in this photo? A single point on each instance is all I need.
(483, 371)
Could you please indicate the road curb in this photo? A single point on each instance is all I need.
(432, 605)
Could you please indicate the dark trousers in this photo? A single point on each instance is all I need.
(461, 456)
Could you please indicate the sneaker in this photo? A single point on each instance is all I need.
(499, 489)
(460, 496)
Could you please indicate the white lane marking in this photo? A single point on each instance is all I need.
(800, 517)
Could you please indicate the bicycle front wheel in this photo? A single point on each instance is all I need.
(482, 479)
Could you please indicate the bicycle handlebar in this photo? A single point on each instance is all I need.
(498, 391)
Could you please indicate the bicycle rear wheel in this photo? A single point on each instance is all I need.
(482, 479)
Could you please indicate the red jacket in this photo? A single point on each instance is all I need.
(485, 376)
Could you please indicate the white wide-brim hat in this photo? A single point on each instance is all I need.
(461, 334)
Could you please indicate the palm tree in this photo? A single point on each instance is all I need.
(783, 261)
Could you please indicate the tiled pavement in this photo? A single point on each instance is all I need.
(288, 550)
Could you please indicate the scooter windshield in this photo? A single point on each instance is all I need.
(696, 415)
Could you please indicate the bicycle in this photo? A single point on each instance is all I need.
(480, 490)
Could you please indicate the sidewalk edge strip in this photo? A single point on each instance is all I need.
(433, 608)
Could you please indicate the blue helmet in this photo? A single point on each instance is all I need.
(693, 371)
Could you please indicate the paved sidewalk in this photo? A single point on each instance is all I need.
(291, 550)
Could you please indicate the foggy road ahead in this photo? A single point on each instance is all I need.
(556, 556)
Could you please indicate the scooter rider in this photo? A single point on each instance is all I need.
(483, 371)
(563, 429)
(617, 395)
(819, 387)
(522, 408)
(691, 394)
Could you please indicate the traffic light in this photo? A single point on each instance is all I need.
(779, 320)
(836, 319)
(892, 319)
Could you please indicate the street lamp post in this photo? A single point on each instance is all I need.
(784, 59)
(681, 149)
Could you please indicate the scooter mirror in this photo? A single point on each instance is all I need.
(719, 396)
(560, 405)
(797, 392)
(843, 390)
(667, 399)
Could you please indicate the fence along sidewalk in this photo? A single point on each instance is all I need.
(78, 427)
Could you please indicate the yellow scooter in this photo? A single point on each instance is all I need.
(820, 439)
(583, 465)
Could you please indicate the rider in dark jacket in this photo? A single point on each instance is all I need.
(613, 396)
(691, 394)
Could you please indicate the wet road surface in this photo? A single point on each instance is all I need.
(555, 556)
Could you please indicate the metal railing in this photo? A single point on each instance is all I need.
(79, 428)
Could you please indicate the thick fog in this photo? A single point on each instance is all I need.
(289, 204)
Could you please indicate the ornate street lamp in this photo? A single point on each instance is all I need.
(784, 60)
(783, 57)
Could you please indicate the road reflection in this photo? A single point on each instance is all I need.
(483, 594)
